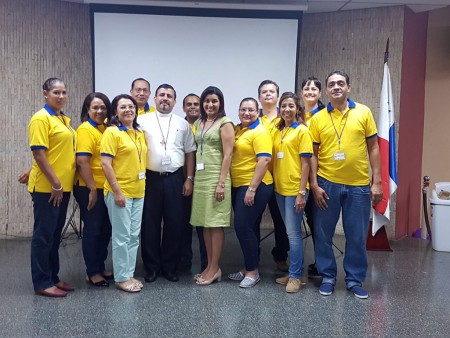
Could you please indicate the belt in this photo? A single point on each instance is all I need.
(162, 173)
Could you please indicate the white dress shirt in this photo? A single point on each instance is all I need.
(168, 138)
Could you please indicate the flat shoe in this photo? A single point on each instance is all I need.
(55, 294)
(102, 283)
(249, 282)
(132, 287)
(65, 286)
(108, 277)
(237, 276)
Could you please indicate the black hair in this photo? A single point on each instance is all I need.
(50, 83)
(87, 103)
(318, 84)
(211, 90)
(166, 86)
(249, 99)
(339, 72)
(139, 79)
(300, 110)
(115, 120)
(266, 82)
(188, 95)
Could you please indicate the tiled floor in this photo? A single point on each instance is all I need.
(409, 297)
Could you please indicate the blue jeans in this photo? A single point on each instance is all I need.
(247, 220)
(126, 226)
(354, 201)
(293, 221)
(48, 224)
(96, 230)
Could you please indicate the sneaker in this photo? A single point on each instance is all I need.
(285, 279)
(249, 282)
(326, 289)
(293, 285)
(282, 266)
(359, 292)
(238, 276)
(312, 271)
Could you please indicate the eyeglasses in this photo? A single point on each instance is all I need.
(245, 110)
(130, 107)
(141, 90)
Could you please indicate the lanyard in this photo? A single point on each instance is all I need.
(62, 119)
(339, 136)
(164, 140)
(202, 135)
(284, 135)
(135, 144)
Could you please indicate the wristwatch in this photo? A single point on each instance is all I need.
(191, 178)
(302, 192)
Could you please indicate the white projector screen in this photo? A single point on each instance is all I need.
(193, 52)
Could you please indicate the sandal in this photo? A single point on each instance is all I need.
(132, 287)
(137, 282)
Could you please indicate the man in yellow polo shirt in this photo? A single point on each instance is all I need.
(268, 93)
(140, 91)
(344, 138)
(191, 107)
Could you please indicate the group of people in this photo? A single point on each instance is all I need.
(142, 174)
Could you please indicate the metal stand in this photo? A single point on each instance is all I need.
(71, 222)
(307, 234)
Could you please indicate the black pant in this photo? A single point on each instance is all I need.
(280, 251)
(163, 202)
(309, 208)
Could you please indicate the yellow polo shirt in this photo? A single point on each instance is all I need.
(89, 135)
(348, 162)
(147, 109)
(52, 132)
(129, 153)
(249, 144)
(293, 142)
(309, 115)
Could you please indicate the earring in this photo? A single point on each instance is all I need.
(45, 97)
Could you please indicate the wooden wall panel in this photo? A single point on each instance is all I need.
(355, 41)
(39, 39)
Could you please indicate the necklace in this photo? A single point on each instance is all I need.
(208, 120)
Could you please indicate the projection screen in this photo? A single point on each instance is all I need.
(233, 50)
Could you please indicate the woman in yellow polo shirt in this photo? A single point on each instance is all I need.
(52, 142)
(124, 152)
(310, 93)
(292, 157)
(88, 187)
(252, 187)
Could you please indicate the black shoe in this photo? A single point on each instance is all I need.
(171, 276)
(150, 277)
(312, 272)
(103, 283)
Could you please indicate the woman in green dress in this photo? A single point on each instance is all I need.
(211, 204)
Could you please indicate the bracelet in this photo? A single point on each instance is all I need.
(190, 178)
(221, 184)
(114, 183)
(60, 188)
(251, 189)
(302, 192)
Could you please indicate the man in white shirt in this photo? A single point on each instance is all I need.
(171, 146)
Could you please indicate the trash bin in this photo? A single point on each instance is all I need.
(440, 218)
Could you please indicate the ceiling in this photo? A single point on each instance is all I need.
(309, 6)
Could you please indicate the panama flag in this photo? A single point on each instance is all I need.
(386, 142)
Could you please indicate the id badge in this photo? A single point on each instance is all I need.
(166, 160)
(200, 166)
(339, 156)
(141, 175)
(280, 154)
